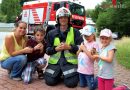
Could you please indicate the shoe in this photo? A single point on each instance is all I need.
(16, 78)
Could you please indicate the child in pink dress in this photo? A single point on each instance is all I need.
(85, 58)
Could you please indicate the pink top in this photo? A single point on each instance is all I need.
(85, 64)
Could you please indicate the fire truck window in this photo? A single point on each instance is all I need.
(56, 6)
(77, 9)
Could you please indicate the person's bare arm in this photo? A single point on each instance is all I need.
(88, 53)
(10, 46)
(25, 43)
(109, 58)
(79, 50)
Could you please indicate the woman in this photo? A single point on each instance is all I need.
(13, 52)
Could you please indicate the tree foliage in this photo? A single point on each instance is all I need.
(115, 18)
(107, 19)
(11, 9)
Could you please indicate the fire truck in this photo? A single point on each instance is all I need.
(43, 12)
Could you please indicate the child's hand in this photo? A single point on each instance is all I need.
(82, 47)
(96, 56)
(27, 50)
(41, 46)
(38, 46)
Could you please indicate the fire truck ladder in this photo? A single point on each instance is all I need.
(35, 16)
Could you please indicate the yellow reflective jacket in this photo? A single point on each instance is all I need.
(70, 57)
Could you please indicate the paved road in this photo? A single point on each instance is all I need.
(8, 84)
(122, 76)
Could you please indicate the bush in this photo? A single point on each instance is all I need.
(11, 19)
(123, 52)
(2, 18)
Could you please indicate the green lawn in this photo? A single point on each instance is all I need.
(123, 52)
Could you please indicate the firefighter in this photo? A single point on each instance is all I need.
(62, 45)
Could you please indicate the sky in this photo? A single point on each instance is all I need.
(89, 4)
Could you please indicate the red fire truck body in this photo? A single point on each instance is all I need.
(36, 13)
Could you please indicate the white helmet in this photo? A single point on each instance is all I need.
(62, 12)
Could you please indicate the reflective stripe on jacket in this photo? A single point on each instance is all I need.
(70, 57)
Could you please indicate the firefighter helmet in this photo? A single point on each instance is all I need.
(62, 12)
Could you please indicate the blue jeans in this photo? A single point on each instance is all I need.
(87, 80)
(15, 65)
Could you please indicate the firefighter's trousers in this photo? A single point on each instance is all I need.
(55, 73)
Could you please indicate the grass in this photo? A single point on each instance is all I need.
(123, 52)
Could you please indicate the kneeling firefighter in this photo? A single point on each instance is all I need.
(62, 45)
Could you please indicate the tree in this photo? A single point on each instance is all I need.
(94, 13)
(0, 8)
(126, 3)
(107, 19)
(88, 12)
(11, 9)
(115, 18)
(99, 9)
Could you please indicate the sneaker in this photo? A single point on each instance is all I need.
(16, 78)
